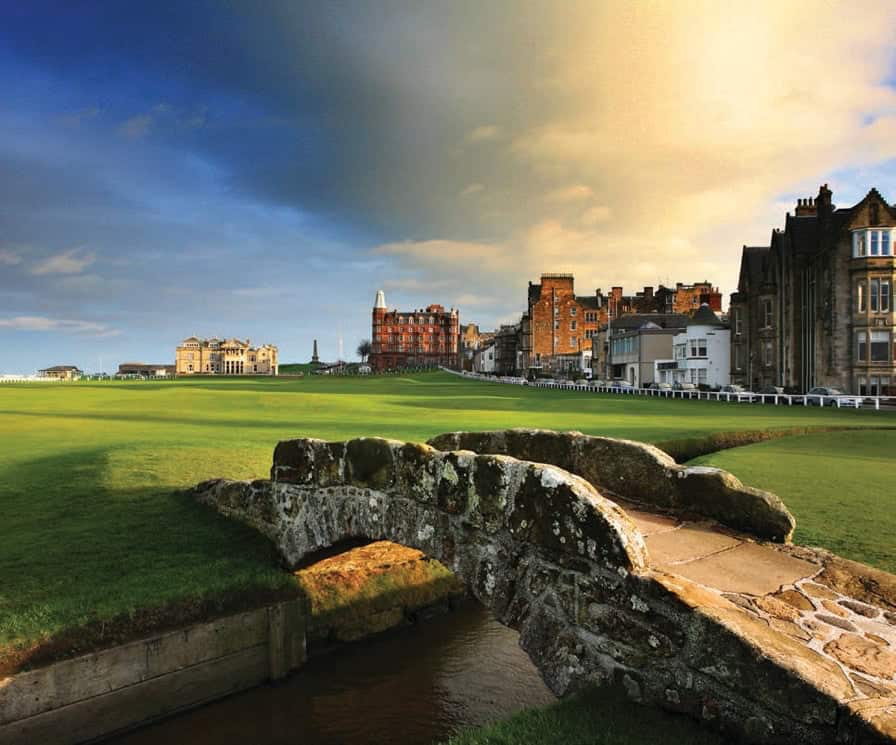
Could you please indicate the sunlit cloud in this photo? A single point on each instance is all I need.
(42, 323)
(9, 258)
(73, 261)
(484, 133)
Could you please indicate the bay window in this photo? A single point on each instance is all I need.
(871, 242)
(880, 346)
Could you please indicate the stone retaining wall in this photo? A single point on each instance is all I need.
(98, 694)
(639, 473)
(553, 558)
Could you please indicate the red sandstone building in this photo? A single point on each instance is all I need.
(420, 338)
(559, 323)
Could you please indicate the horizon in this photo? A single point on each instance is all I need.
(174, 170)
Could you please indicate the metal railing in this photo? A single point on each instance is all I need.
(845, 401)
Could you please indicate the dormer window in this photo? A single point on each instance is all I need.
(871, 242)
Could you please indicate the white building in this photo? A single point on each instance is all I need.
(701, 353)
(484, 359)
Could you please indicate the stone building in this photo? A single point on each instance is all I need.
(815, 306)
(471, 341)
(426, 337)
(195, 356)
(508, 356)
(557, 322)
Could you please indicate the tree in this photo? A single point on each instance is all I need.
(364, 349)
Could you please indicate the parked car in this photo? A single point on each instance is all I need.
(664, 386)
(683, 386)
(733, 388)
(830, 397)
(621, 384)
(771, 390)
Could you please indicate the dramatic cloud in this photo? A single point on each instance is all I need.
(449, 152)
(73, 261)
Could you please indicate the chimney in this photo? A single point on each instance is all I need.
(648, 293)
(805, 207)
(823, 203)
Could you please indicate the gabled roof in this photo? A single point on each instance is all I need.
(705, 317)
(753, 262)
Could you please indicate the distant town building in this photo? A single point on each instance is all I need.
(508, 357)
(315, 357)
(629, 347)
(61, 372)
(557, 322)
(427, 337)
(195, 356)
(484, 358)
(815, 306)
(141, 369)
(701, 353)
(471, 341)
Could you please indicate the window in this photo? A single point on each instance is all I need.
(680, 351)
(767, 353)
(573, 341)
(573, 310)
(698, 347)
(861, 300)
(738, 322)
(875, 294)
(702, 376)
(738, 357)
(880, 346)
(556, 325)
(871, 242)
(573, 325)
(767, 313)
(885, 296)
(861, 346)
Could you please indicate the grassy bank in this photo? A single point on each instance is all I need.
(840, 486)
(94, 528)
(593, 718)
(369, 589)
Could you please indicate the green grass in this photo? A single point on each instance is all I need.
(593, 718)
(92, 525)
(840, 486)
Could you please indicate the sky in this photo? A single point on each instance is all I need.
(260, 170)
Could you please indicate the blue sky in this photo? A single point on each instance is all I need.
(260, 170)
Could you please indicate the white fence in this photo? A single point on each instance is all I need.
(773, 399)
(26, 379)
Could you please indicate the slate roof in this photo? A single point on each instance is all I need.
(639, 320)
(592, 302)
(705, 317)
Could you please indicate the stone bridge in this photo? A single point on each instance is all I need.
(767, 641)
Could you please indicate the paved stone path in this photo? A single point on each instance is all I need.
(847, 620)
